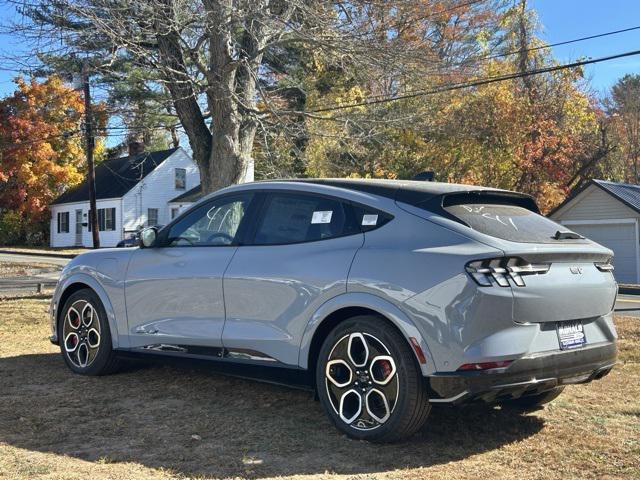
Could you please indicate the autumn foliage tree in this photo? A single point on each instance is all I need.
(40, 155)
(302, 88)
(624, 109)
(538, 134)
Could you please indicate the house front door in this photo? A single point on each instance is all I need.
(79, 227)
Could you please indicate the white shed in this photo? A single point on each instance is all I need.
(185, 200)
(607, 213)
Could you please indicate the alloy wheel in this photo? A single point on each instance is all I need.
(362, 381)
(81, 334)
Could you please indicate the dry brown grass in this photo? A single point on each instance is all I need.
(142, 423)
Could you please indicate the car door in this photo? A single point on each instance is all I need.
(173, 290)
(298, 257)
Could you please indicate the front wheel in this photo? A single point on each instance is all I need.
(85, 338)
(369, 382)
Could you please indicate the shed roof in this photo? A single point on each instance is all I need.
(626, 193)
(190, 196)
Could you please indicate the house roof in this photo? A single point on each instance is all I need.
(116, 176)
(189, 196)
(624, 192)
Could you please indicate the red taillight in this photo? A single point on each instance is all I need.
(501, 270)
(604, 266)
(419, 353)
(485, 365)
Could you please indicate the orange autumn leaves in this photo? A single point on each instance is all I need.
(40, 146)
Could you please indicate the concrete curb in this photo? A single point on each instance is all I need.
(39, 254)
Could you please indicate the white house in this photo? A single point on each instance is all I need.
(131, 192)
(607, 213)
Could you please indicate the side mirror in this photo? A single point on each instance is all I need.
(148, 237)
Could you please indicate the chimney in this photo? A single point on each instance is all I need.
(135, 148)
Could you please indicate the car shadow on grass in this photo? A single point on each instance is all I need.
(205, 424)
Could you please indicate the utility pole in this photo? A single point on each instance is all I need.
(89, 145)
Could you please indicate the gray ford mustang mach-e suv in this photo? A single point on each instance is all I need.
(386, 296)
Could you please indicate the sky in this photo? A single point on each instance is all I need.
(561, 20)
(568, 19)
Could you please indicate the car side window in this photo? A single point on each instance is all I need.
(295, 218)
(215, 223)
(369, 218)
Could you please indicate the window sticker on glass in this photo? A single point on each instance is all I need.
(322, 216)
(369, 220)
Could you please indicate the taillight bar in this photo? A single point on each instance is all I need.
(604, 266)
(529, 269)
(503, 269)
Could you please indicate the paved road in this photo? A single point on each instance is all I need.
(17, 258)
(9, 286)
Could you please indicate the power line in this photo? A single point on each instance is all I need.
(558, 44)
(444, 88)
(441, 89)
(472, 61)
(78, 133)
(475, 83)
(69, 134)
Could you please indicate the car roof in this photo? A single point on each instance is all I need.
(395, 189)
(407, 191)
(417, 193)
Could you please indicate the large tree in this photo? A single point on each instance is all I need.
(624, 109)
(40, 153)
(218, 59)
(542, 134)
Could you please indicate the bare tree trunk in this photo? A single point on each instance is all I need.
(183, 95)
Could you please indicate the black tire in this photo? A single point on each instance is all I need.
(533, 402)
(101, 358)
(406, 412)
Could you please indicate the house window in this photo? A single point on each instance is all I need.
(152, 217)
(174, 212)
(110, 219)
(106, 219)
(63, 222)
(181, 178)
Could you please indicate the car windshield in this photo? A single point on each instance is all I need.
(509, 222)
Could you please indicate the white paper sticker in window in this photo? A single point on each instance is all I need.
(322, 217)
(369, 220)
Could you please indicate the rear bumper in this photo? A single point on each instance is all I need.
(526, 376)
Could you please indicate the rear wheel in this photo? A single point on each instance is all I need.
(85, 338)
(533, 402)
(369, 382)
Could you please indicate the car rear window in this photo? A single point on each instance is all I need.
(509, 222)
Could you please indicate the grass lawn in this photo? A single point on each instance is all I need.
(162, 422)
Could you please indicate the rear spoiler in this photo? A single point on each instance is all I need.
(438, 203)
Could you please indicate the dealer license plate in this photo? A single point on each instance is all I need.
(571, 335)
